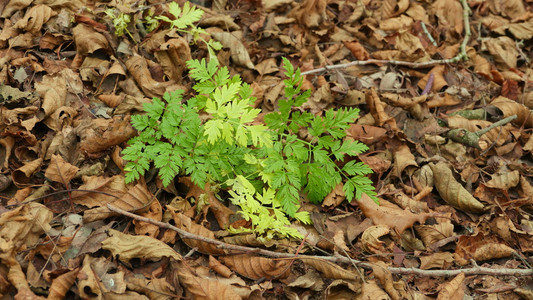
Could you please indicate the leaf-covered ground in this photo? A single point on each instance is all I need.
(445, 90)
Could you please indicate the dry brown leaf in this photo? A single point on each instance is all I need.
(173, 56)
(62, 284)
(504, 181)
(257, 267)
(53, 90)
(98, 135)
(454, 289)
(504, 51)
(127, 247)
(377, 109)
(392, 8)
(87, 41)
(185, 223)
(335, 197)
(452, 191)
(329, 269)
(403, 158)
(35, 18)
(219, 268)
(480, 248)
(370, 239)
(154, 288)
(450, 16)
(371, 290)
(138, 67)
(204, 288)
(238, 51)
(393, 217)
(383, 274)
(154, 212)
(310, 13)
(22, 175)
(510, 107)
(60, 171)
(441, 260)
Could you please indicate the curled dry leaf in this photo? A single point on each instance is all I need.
(510, 107)
(173, 56)
(452, 191)
(185, 223)
(22, 175)
(53, 91)
(403, 158)
(371, 290)
(257, 267)
(441, 260)
(60, 171)
(238, 51)
(204, 288)
(504, 181)
(62, 284)
(219, 268)
(310, 13)
(112, 100)
(329, 269)
(370, 239)
(35, 17)
(87, 41)
(138, 67)
(453, 290)
(383, 274)
(504, 51)
(480, 248)
(153, 288)
(127, 247)
(98, 135)
(392, 8)
(394, 217)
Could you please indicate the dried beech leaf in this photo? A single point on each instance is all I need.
(441, 260)
(454, 289)
(154, 288)
(204, 288)
(127, 247)
(370, 239)
(22, 175)
(257, 267)
(392, 8)
(403, 158)
(310, 13)
(504, 181)
(221, 269)
(35, 18)
(172, 56)
(452, 191)
(238, 51)
(329, 269)
(384, 275)
(510, 107)
(371, 290)
(396, 218)
(62, 284)
(60, 171)
(480, 248)
(185, 223)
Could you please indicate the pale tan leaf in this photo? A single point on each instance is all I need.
(127, 247)
(60, 171)
(480, 248)
(383, 274)
(238, 51)
(35, 18)
(504, 51)
(441, 260)
(257, 267)
(61, 284)
(370, 238)
(371, 290)
(329, 269)
(204, 288)
(510, 107)
(22, 175)
(504, 181)
(403, 158)
(221, 269)
(454, 289)
(185, 223)
(391, 216)
(452, 191)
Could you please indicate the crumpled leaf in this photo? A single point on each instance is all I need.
(257, 267)
(452, 191)
(388, 214)
(238, 51)
(127, 247)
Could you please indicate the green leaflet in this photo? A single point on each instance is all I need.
(265, 169)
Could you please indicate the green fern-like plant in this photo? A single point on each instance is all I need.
(263, 167)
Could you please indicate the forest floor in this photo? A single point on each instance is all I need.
(445, 92)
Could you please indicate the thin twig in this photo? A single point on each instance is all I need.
(337, 259)
(416, 65)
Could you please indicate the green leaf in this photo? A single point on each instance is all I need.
(213, 130)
